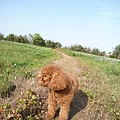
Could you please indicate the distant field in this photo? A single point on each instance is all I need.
(21, 60)
(102, 81)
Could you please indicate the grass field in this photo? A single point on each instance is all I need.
(21, 60)
(99, 77)
(102, 81)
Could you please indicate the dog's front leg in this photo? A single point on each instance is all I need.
(51, 107)
(64, 111)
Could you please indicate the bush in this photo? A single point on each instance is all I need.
(116, 52)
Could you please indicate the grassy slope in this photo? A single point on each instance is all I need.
(100, 77)
(101, 81)
(20, 60)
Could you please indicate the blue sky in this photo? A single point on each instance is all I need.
(90, 23)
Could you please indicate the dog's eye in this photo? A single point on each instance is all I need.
(45, 76)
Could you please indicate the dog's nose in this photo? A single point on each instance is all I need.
(38, 77)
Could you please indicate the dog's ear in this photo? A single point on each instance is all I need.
(57, 82)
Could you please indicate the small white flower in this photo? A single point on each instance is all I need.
(15, 77)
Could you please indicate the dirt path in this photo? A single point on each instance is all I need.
(82, 109)
(77, 111)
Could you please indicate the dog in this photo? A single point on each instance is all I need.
(62, 90)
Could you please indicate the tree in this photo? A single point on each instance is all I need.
(1, 36)
(53, 44)
(95, 51)
(49, 43)
(103, 53)
(12, 37)
(87, 49)
(38, 40)
(21, 39)
(30, 38)
(58, 45)
(25, 39)
(78, 48)
(116, 52)
(16, 38)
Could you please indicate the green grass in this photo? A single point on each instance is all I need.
(21, 60)
(100, 77)
(101, 81)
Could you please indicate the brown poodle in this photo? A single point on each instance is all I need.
(62, 89)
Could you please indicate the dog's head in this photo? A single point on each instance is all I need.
(46, 75)
(52, 77)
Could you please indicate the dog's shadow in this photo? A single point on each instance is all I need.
(79, 103)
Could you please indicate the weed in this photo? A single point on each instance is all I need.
(29, 107)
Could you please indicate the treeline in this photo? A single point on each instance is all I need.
(114, 54)
(35, 39)
(80, 48)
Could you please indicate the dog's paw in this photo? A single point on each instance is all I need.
(49, 116)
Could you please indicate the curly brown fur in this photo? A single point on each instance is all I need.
(62, 89)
